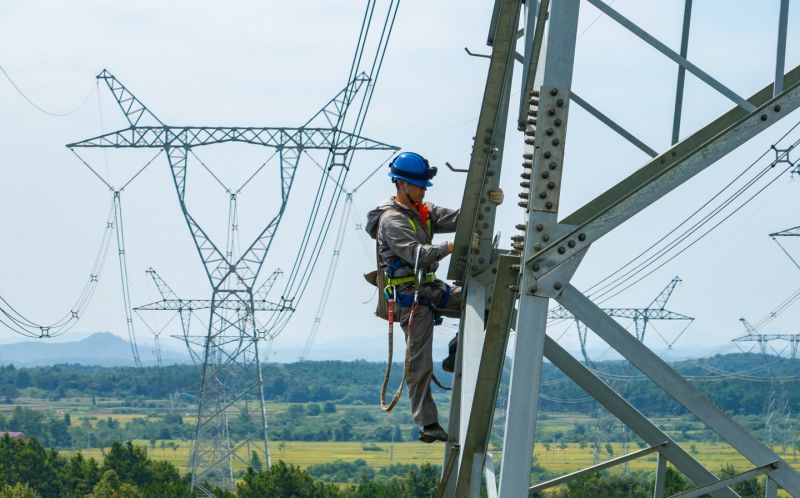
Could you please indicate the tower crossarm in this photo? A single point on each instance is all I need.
(767, 337)
(789, 232)
(193, 136)
(645, 313)
(200, 304)
(133, 109)
(163, 289)
(748, 326)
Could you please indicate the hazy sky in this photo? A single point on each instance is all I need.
(276, 63)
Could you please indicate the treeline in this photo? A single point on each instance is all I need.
(738, 383)
(29, 470)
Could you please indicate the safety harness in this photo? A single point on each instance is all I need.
(392, 297)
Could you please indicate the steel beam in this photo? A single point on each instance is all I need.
(596, 468)
(661, 476)
(630, 416)
(545, 139)
(780, 53)
(678, 387)
(614, 126)
(489, 374)
(653, 42)
(676, 117)
(473, 241)
(744, 476)
(667, 171)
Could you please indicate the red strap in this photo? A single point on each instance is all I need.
(424, 213)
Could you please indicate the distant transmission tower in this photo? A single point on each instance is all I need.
(656, 310)
(763, 340)
(231, 372)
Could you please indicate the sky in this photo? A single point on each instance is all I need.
(275, 64)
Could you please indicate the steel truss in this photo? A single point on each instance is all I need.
(229, 352)
(545, 258)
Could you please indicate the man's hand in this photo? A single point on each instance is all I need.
(496, 196)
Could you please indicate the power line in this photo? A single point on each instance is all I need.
(37, 106)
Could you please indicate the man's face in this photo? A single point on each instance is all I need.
(416, 193)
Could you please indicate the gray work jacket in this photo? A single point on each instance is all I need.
(396, 238)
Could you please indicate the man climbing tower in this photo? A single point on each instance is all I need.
(403, 228)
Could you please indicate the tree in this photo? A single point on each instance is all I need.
(282, 480)
(255, 461)
(110, 486)
(18, 490)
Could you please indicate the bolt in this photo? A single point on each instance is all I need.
(555, 142)
(523, 195)
(777, 108)
(529, 141)
(527, 155)
(539, 227)
(527, 163)
(514, 267)
(535, 267)
(547, 154)
(551, 112)
(531, 122)
(519, 246)
(557, 122)
(560, 103)
(554, 91)
(485, 225)
(537, 247)
(525, 184)
(526, 175)
(571, 243)
(557, 286)
(548, 205)
(521, 226)
(551, 185)
(513, 288)
(562, 250)
(531, 112)
(581, 237)
(534, 102)
(491, 173)
(545, 174)
(763, 117)
(552, 165)
(530, 133)
(532, 289)
(542, 194)
(545, 237)
(534, 93)
(549, 131)
(517, 238)
(523, 204)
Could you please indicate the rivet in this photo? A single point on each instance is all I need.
(674, 153)
(545, 237)
(548, 205)
(581, 237)
(554, 91)
(555, 142)
(547, 154)
(552, 165)
(560, 103)
(562, 250)
(549, 131)
(777, 108)
(545, 174)
(557, 122)
(532, 289)
(763, 117)
(487, 209)
(551, 185)
(535, 267)
(539, 227)
(557, 286)
(542, 194)
(551, 112)
(537, 247)
(474, 267)
(571, 243)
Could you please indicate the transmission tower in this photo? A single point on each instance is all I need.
(763, 340)
(656, 310)
(230, 357)
(547, 255)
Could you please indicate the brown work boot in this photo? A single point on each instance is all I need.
(431, 433)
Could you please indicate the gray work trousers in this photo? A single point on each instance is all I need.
(420, 367)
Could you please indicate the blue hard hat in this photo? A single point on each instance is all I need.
(412, 168)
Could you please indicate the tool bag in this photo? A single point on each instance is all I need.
(378, 279)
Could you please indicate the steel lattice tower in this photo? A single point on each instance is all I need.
(231, 366)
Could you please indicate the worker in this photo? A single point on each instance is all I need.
(403, 227)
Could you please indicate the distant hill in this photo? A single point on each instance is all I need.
(101, 349)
